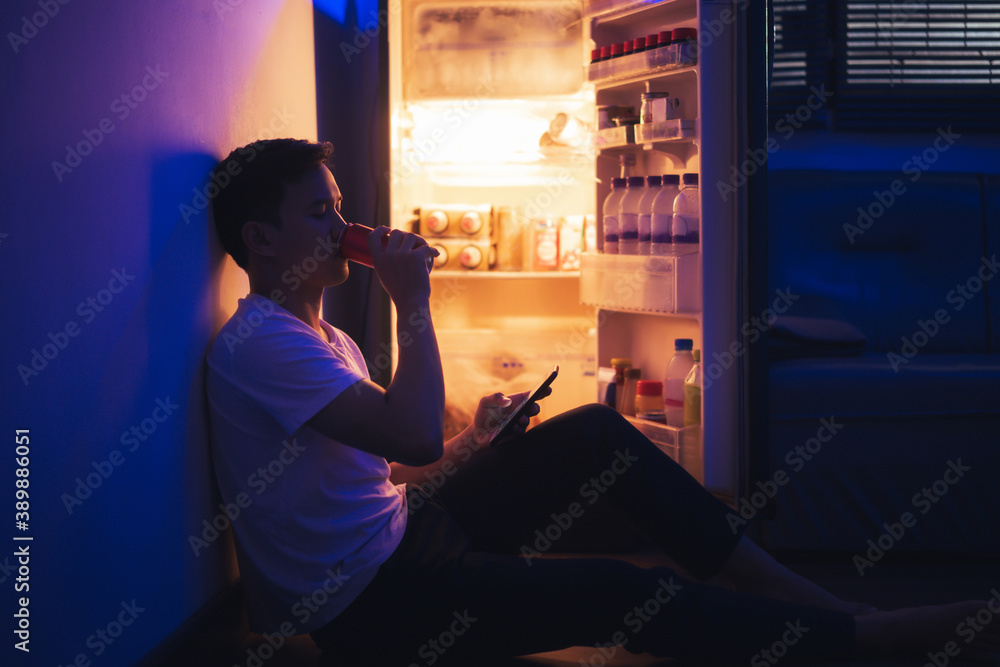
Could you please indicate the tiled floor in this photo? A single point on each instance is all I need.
(890, 585)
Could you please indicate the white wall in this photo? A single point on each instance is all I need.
(226, 72)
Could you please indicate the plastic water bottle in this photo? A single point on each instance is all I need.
(661, 219)
(686, 224)
(628, 217)
(692, 393)
(673, 384)
(653, 184)
(610, 215)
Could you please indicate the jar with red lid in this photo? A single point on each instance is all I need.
(685, 46)
(664, 54)
(649, 401)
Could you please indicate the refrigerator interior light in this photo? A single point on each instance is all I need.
(473, 131)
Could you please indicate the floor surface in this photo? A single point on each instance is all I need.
(907, 581)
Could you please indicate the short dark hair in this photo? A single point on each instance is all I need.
(250, 185)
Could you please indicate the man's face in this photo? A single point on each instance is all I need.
(310, 225)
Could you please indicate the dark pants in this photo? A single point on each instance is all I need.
(468, 580)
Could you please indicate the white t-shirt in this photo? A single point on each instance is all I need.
(317, 517)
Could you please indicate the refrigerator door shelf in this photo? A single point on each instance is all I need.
(667, 130)
(647, 63)
(644, 283)
(681, 444)
(614, 137)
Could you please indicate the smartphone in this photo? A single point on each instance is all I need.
(511, 420)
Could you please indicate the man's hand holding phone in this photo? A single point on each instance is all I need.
(499, 417)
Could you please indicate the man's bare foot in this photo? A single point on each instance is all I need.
(944, 631)
(750, 569)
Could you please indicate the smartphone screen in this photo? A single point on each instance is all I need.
(511, 420)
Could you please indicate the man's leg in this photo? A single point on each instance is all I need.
(437, 599)
(532, 494)
(517, 496)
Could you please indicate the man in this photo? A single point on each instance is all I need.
(328, 544)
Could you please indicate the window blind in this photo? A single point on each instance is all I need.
(801, 58)
(910, 65)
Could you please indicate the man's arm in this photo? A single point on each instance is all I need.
(474, 439)
(405, 421)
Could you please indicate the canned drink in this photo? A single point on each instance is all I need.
(352, 244)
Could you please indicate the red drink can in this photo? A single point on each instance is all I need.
(353, 243)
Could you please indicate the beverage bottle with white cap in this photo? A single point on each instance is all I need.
(686, 224)
(612, 204)
(673, 384)
(653, 184)
(628, 216)
(662, 216)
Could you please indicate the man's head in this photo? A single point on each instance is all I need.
(259, 175)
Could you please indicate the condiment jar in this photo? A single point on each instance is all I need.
(627, 404)
(649, 401)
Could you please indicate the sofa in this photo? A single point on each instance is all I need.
(884, 373)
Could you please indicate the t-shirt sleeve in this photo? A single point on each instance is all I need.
(291, 373)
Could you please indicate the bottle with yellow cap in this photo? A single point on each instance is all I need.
(692, 393)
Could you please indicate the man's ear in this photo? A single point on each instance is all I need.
(258, 237)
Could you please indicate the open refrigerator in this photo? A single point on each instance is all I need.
(498, 159)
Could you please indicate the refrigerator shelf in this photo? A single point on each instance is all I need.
(667, 130)
(665, 284)
(639, 10)
(648, 136)
(614, 137)
(638, 66)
